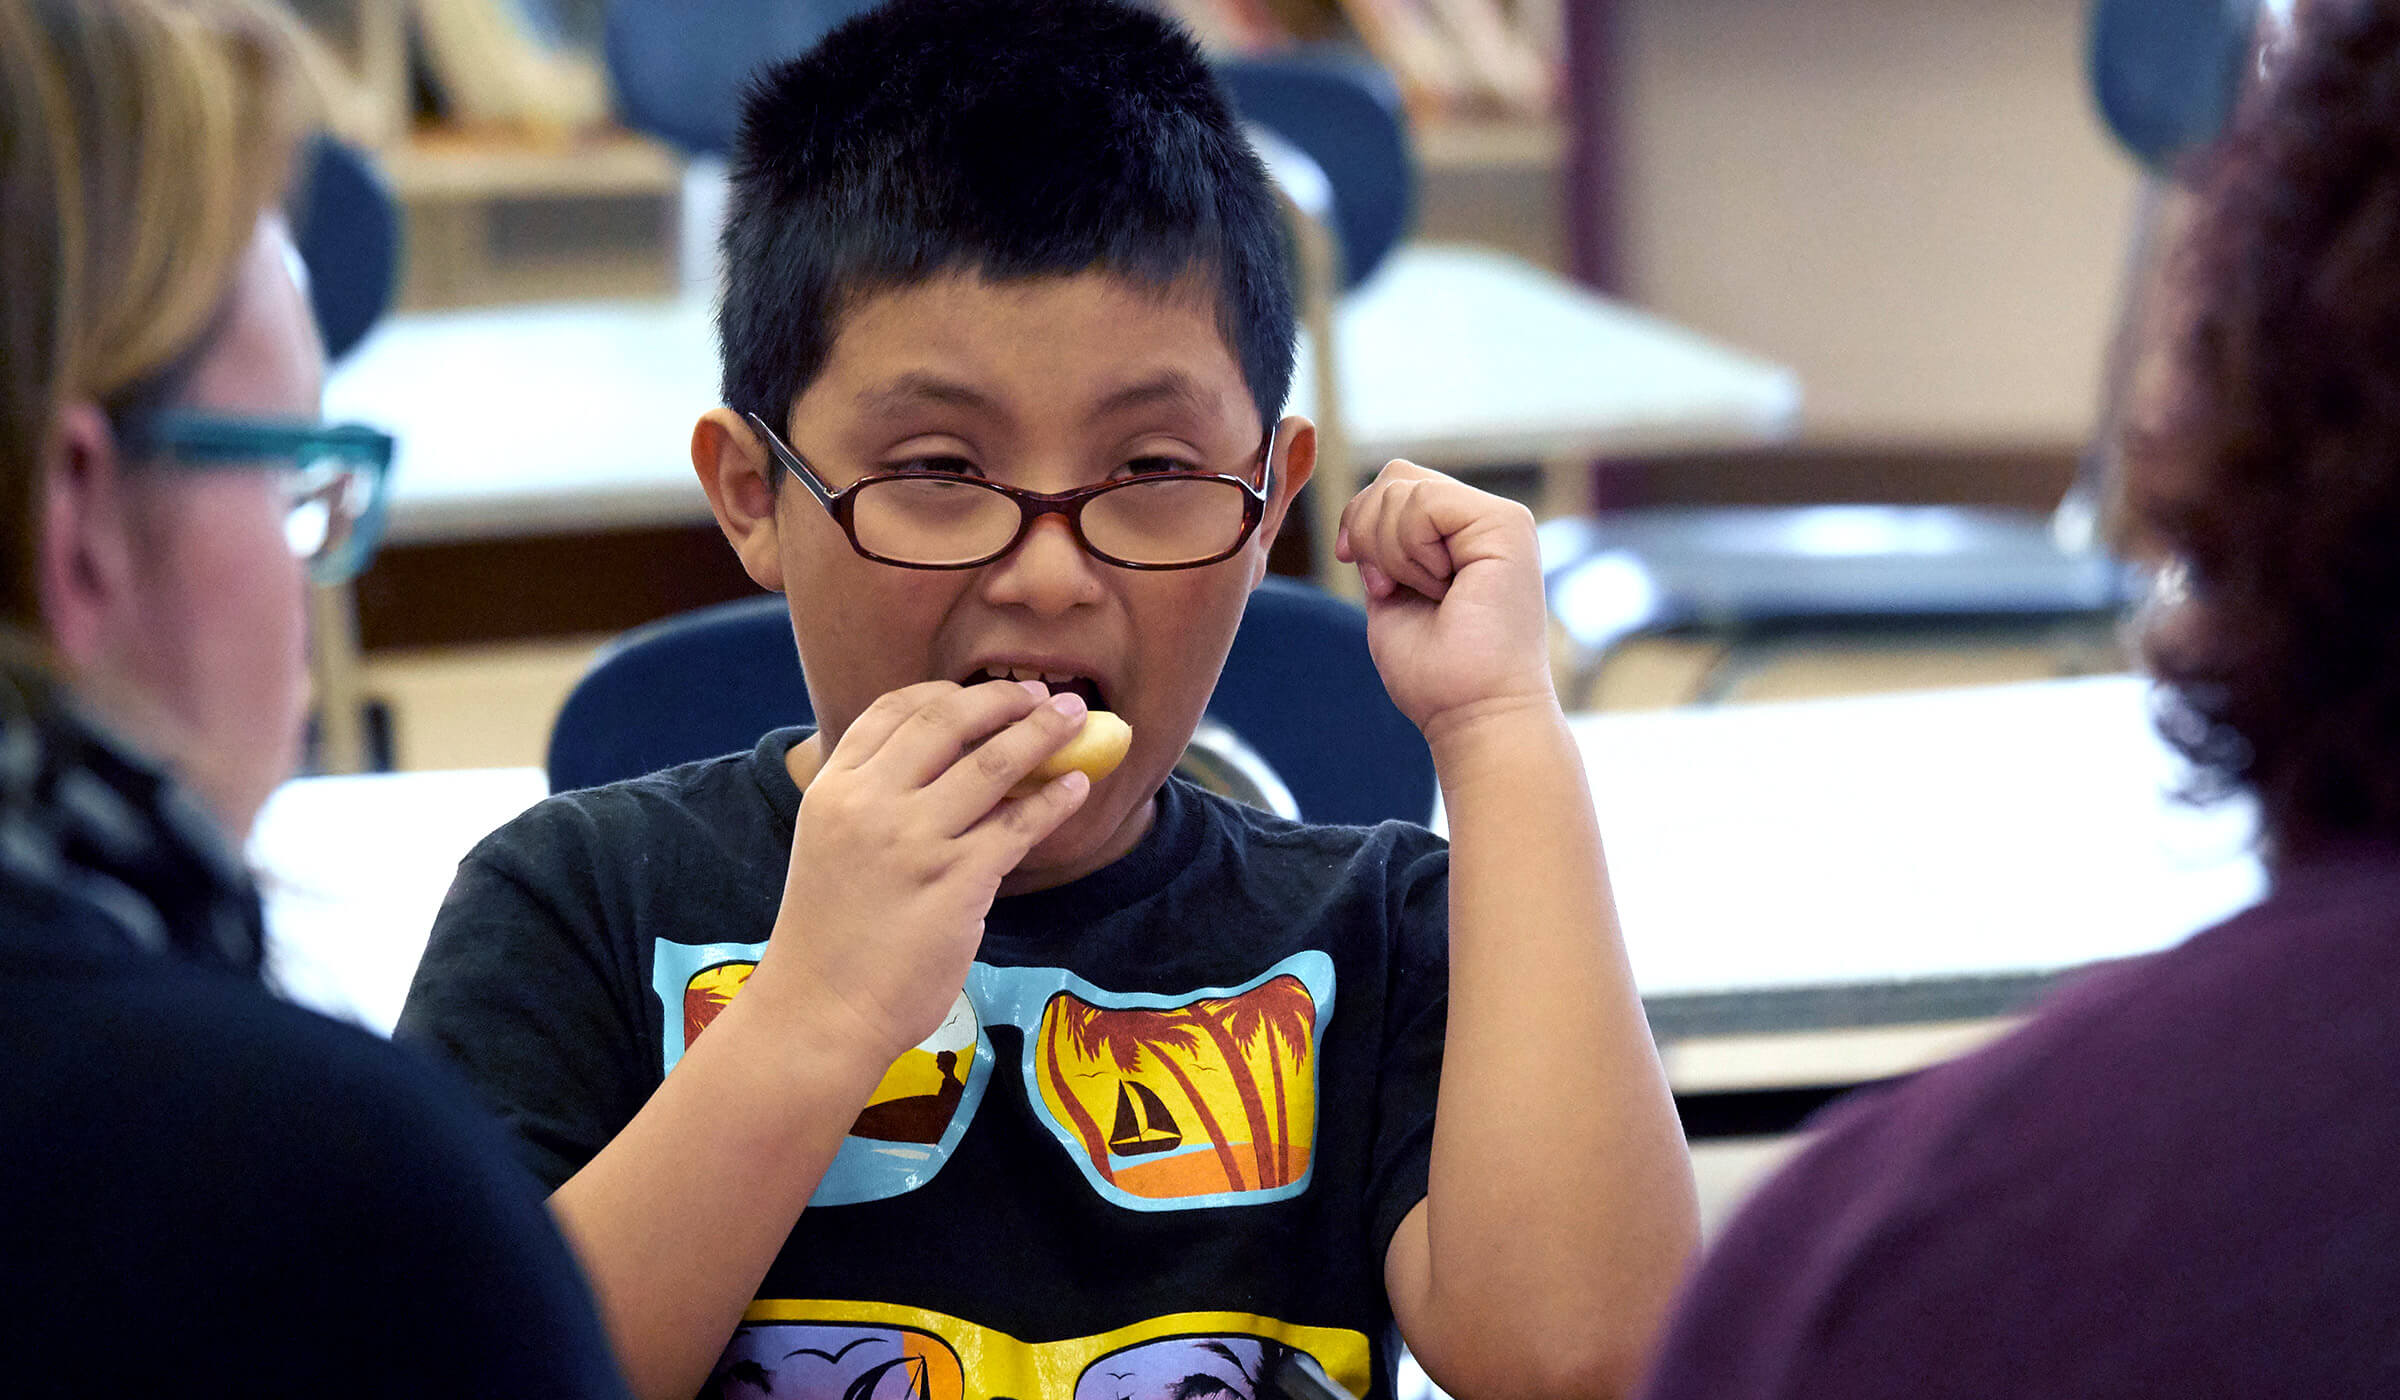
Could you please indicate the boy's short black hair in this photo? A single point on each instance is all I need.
(1014, 138)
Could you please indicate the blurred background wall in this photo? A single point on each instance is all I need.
(1912, 204)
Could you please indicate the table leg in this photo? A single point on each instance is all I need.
(335, 667)
(1566, 488)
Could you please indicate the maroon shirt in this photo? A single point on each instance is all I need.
(2182, 1178)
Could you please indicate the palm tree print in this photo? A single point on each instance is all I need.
(1210, 1016)
(1277, 1019)
(1285, 1016)
(1124, 1037)
(1060, 1023)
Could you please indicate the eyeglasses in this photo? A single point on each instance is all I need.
(942, 520)
(337, 479)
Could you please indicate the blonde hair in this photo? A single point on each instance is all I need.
(140, 142)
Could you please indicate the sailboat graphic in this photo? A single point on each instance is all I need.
(1152, 1130)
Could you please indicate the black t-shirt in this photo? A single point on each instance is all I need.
(1165, 1137)
(204, 1191)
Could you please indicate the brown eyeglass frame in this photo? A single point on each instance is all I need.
(842, 505)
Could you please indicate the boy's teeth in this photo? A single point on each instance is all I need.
(1057, 682)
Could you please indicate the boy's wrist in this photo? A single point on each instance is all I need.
(820, 1040)
(1502, 740)
(1467, 733)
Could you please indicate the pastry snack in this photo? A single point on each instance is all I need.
(1095, 753)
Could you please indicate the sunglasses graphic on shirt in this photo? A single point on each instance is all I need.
(1163, 1102)
(867, 1351)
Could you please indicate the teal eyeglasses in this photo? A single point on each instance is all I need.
(337, 479)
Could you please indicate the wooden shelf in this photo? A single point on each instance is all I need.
(365, 43)
(1490, 143)
(456, 165)
(501, 216)
(1494, 181)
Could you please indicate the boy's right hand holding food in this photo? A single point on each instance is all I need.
(906, 830)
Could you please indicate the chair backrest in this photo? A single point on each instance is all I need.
(702, 683)
(2166, 74)
(346, 225)
(1298, 687)
(1344, 113)
(679, 66)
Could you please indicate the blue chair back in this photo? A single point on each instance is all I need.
(692, 686)
(1345, 113)
(346, 225)
(1298, 687)
(679, 66)
(2167, 74)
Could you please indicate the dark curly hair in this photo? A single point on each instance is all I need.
(2268, 475)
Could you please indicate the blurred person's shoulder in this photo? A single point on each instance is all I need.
(208, 1181)
(135, 1046)
(2155, 1186)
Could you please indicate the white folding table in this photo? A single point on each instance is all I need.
(1813, 894)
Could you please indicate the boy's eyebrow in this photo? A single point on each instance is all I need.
(912, 389)
(1172, 387)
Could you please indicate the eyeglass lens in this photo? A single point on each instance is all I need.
(1164, 519)
(328, 496)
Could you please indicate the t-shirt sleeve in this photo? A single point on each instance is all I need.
(1416, 1010)
(523, 991)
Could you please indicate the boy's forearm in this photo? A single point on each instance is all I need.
(1560, 1203)
(677, 1220)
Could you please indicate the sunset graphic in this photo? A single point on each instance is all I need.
(1214, 1097)
(918, 1095)
(707, 993)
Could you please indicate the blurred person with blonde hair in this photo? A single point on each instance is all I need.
(201, 1187)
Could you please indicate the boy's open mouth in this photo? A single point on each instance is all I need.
(1093, 697)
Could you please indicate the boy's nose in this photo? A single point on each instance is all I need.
(1048, 572)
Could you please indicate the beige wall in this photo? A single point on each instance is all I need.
(1910, 201)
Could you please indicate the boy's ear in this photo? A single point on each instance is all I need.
(1295, 459)
(737, 474)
